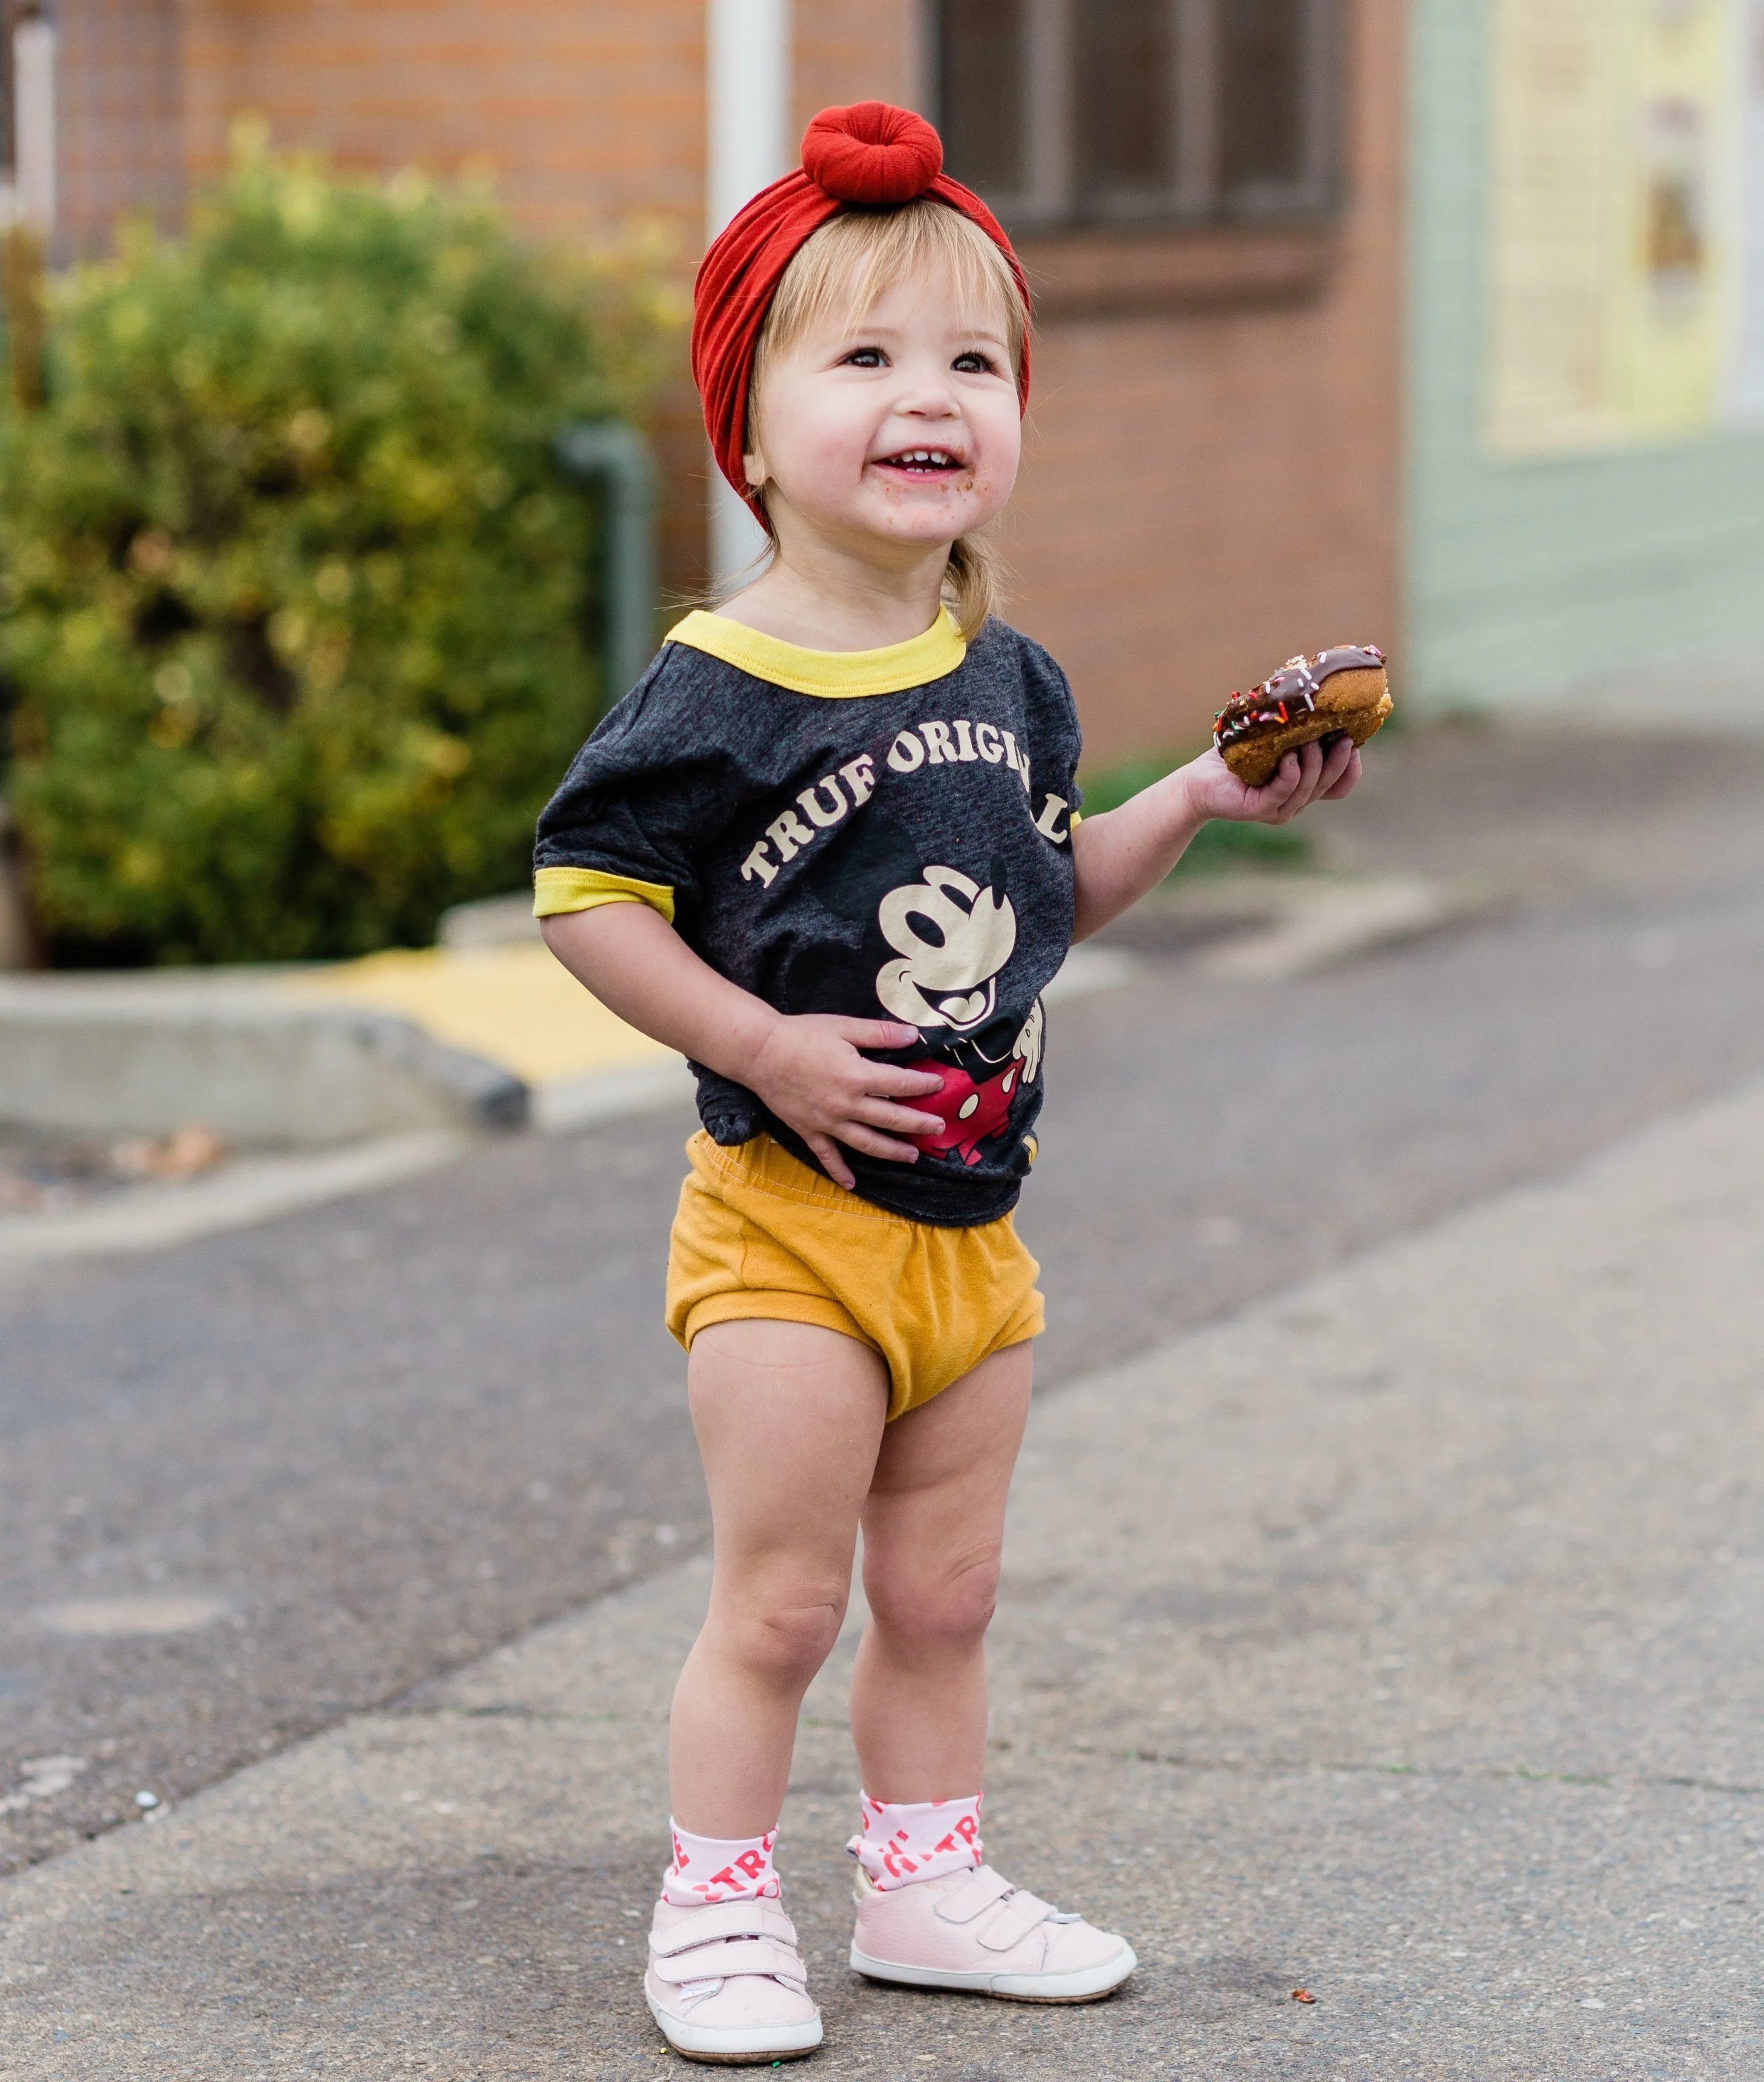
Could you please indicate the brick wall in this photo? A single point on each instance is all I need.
(119, 117)
(856, 50)
(589, 112)
(1205, 495)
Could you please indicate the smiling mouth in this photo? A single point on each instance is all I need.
(923, 462)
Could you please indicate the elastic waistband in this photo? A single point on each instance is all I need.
(769, 1167)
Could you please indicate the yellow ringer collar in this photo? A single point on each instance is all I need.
(835, 674)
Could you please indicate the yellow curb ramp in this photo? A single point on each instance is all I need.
(516, 1006)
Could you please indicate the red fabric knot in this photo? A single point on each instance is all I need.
(871, 153)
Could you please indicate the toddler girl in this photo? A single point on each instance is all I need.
(829, 848)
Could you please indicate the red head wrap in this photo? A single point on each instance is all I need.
(871, 155)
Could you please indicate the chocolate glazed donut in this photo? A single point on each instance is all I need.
(1346, 691)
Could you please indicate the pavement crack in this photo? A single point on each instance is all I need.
(443, 1709)
(1301, 1767)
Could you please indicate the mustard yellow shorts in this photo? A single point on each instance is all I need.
(759, 1235)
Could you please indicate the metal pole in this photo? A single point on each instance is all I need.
(616, 457)
(748, 146)
(33, 123)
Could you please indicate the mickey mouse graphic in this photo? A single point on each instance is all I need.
(953, 939)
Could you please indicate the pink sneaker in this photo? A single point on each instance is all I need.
(727, 1984)
(975, 1931)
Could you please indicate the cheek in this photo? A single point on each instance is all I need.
(998, 452)
(819, 443)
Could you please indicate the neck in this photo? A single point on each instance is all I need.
(829, 596)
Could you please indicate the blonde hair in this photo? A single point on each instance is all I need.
(841, 270)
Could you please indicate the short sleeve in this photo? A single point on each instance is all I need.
(1057, 745)
(635, 810)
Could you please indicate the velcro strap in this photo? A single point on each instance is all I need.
(739, 1956)
(726, 1919)
(1015, 1920)
(978, 1892)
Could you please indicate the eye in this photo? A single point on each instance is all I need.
(865, 357)
(975, 363)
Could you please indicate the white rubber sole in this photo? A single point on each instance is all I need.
(727, 2046)
(1085, 1986)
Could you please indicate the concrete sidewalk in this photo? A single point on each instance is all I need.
(1401, 1639)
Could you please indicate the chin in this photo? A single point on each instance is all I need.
(926, 527)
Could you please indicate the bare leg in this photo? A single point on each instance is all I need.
(788, 1418)
(933, 1531)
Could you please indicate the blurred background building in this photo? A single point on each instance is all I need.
(1585, 354)
(1440, 324)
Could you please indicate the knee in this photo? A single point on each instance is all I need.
(951, 1609)
(784, 1639)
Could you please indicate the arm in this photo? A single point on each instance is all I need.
(1121, 854)
(807, 1070)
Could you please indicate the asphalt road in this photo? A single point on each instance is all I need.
(1395, 1640)
(384, 1435)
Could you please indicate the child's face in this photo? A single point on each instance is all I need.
(901, 428)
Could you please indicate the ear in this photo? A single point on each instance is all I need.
(754, 469)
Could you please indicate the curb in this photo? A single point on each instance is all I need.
(250, 1189)
(143, 1054)
(1266, 927)
(1315, 929)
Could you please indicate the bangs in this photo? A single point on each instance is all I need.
(844, 269)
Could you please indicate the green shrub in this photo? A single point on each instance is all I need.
(1217, 848)
(297, 624)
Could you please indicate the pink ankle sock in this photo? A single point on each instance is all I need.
(711, 1868)
(900, 1842)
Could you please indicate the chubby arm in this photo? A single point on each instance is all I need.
(807, 1069)
(1121, 854)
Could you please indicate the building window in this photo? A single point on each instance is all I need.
(1138, 112)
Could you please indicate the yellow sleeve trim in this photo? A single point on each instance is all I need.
(1075, 821)
(559, 889)
(834, 674)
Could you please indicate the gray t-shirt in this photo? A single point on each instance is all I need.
(884, 834)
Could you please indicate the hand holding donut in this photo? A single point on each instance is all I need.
(1294, 739)
(1323, 771)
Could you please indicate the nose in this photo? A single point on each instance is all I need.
(927, 393)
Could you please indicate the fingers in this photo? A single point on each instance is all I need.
(831, 1162)
(855, 1135)
(1310, 763)
(1278, 798)
(877, 1033)
(877, 1113)
(1263, 804)
(1349, 778)
(867, 1142)
(1313, 773)
(1323, 771)
(886, 1079)
(1276, 790)
(1325, 764)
